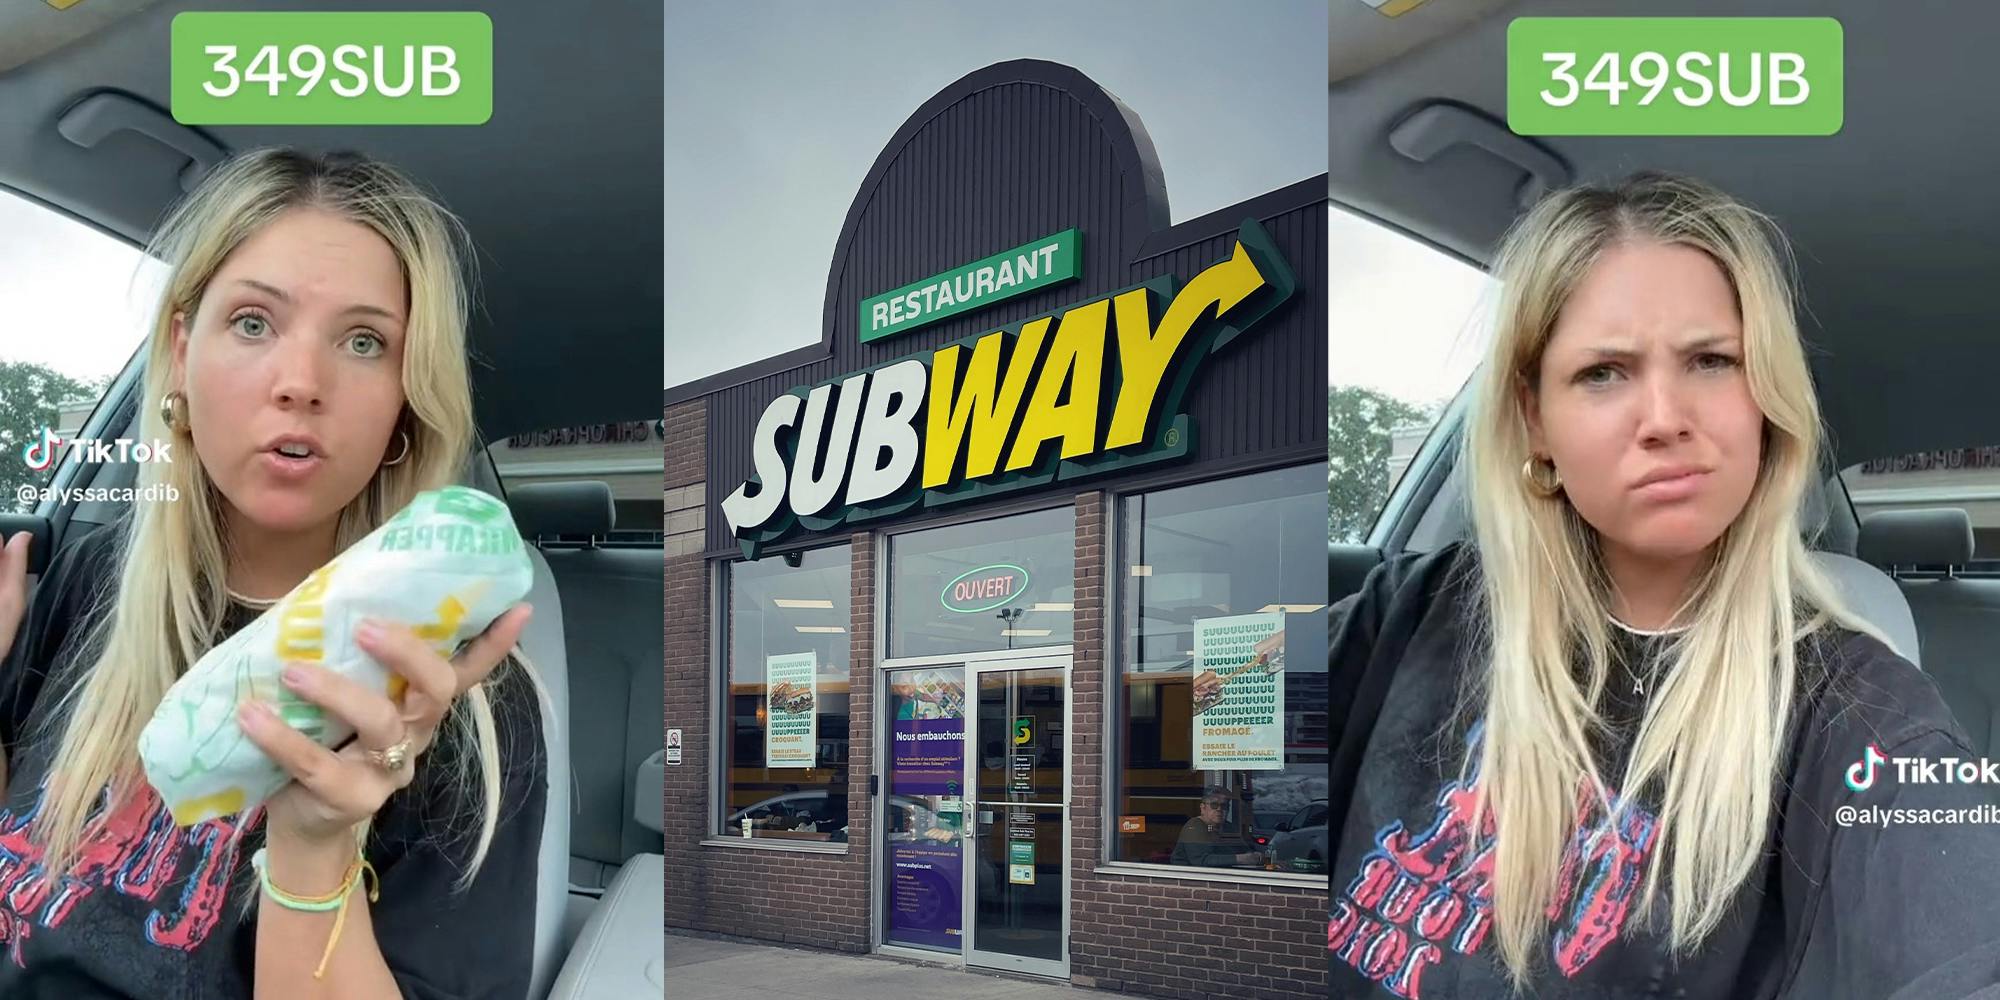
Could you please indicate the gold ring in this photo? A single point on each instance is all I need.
(392, 758)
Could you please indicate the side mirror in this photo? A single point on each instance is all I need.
(1284, 826)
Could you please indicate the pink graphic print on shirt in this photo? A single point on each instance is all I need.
(137, 852)
(1420, 896)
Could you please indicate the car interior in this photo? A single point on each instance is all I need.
(1888, 221)
(542, 188)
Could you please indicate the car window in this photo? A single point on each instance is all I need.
(1964, 478)
(628, 456)
(1407, 322)
(77, 308)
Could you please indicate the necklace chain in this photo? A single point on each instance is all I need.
(253, 602)
(1639, 683)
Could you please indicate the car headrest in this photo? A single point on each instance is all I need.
(479, 473)
(1938, 536)
(581, 508)
(1871, 594)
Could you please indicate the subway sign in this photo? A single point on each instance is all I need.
(1092, 388)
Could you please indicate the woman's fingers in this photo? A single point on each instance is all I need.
(344, 785)
(347, 782)
(430, 678)
(434, 681)
(376, 720)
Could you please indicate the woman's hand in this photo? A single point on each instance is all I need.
(333, 791)
(13, 587)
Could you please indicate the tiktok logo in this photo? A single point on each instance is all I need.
(40, 455)
(1861, 773)
(43, 454)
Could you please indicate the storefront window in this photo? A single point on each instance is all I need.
(784, 727)
(1222, 711)
(1007, 583)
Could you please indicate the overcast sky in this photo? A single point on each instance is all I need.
(1402, 317)
(793, 101)
(68, 294)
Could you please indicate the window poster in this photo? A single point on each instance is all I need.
(1239, 692)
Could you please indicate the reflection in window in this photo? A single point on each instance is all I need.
(1967, 479)
(1223, 761)
(784, 745)
(1007, 583)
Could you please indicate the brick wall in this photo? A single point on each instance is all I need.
(686, 509)
(1163, 936)
(685, 619)
(790, 896)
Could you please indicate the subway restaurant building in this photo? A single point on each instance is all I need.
(974, 603)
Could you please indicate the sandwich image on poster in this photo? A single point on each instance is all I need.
(1268, 656)
(791, 734)
(1239, 692)
(791, 699)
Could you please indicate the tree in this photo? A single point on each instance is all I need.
(31, 398)
(1360, 427)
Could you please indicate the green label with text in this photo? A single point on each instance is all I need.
(294, 68)
(1026, 268)
(1675, 75)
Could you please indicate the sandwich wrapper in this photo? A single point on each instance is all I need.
(447, 565)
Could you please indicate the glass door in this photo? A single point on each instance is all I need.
(1017, 903)
(924, 816)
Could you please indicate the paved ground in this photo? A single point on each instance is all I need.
(708, 969)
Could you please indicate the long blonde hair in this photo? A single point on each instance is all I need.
(1711, 741)
(172, 559)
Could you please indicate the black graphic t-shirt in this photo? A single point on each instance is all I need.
(1842, 905)
(150, 910)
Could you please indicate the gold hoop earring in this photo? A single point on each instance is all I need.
(173, 411)
(405, 453)
(1541, 486)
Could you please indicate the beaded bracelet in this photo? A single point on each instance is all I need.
(335, 900)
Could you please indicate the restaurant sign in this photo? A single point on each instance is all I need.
(1092, 388)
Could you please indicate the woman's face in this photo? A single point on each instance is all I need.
(1643, 404)
(297, 342)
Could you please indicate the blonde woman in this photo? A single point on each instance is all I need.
(1598, 750)
(308, 364)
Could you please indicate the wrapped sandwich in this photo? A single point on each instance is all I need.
(447, 565)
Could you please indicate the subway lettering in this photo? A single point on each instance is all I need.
(1063, 395)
